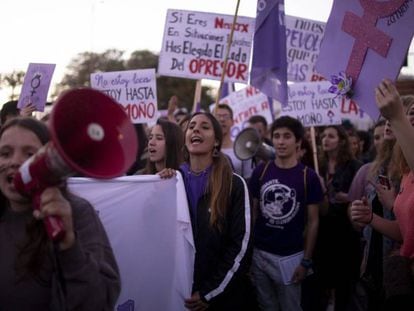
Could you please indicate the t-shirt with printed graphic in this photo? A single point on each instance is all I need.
(282, 214)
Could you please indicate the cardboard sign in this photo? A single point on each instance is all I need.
(312, 104)
(36, 86)
(195, 43)
(246, 103)
(135, 90)
(349, 110)
(303, 41)
(368, 40)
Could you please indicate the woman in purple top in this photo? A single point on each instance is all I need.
(221, 220)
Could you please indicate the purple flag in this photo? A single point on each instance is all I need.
(269, 66)
(226, 89)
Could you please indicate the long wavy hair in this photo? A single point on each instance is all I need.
(220, 181)
(33, 250)
(174, 143)
(383, 157)
(399, 165)
(344, 149)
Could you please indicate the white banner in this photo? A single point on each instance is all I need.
(136, 90)
(195, 43)
(312, 104)
(148, 224)
(303, 42)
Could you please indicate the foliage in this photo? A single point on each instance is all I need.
(13, 80)
(80, 68)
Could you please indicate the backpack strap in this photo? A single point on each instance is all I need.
(264, 171)
(305, 171)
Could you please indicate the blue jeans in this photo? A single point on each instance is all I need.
(272, 294)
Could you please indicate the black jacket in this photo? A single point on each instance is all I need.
(223, 257)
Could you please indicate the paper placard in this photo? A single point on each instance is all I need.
(349, 110)
(288, 265)
(312, 104)
(303, 41)
(246, 103)
(194, 46)
(36, 85)
(368, 40)
(135, 90)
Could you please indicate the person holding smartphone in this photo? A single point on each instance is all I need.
(401, 229)
(364, 187)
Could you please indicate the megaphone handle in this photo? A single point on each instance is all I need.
(53, 224)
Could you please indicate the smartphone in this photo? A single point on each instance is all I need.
(385, 181)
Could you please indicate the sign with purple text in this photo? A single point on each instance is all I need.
(303, 41)
(312, 104)
(245, 103)
(135, 90)
(195, 43)
(365, 41)
(36, 86)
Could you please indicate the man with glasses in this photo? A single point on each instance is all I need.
(224, 114)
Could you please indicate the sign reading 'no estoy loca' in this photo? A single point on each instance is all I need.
(135, 90)
(195, 43)
(312, 104)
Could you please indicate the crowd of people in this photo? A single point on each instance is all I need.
(270, 234)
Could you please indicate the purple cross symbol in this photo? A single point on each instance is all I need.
(366, 35)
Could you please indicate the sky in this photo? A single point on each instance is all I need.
(55, 31)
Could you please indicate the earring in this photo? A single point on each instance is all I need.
(216, 153)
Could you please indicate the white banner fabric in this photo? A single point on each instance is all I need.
(148, 224)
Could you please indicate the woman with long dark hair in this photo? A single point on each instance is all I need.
(165, 147)
(337, 253)
(78, 272)
(221, 220)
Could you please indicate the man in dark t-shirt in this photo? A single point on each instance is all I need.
(285, 195)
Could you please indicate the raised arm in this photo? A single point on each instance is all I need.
(390, 105)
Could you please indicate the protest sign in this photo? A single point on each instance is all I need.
(195, 43)
(349, 110)
(36, 86)
(245, 103)
(150, 235)
(367, 40)
(135, 90)
(312, 104)
(303, 41)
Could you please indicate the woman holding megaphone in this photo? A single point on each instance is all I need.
(78, 272)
